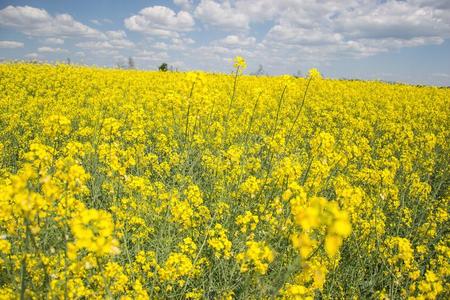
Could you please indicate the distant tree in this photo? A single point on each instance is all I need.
(131, 63)
(163, 67)
(260, 71)
(68, 61)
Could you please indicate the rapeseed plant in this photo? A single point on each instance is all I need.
(161, 185)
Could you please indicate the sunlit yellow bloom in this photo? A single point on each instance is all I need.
(239, 63)
(93, 230)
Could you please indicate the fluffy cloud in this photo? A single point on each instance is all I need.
(32, 55)
(51, 50)
(305, 36)
(237, 41)
(152, 56)
(54, 41)
(221, 53)
(438, 4)
(122, 43)
(10, 44)
(116, 39)
(184, 4)
(38, 22)
(353, 28)
(160, 21)
(222, 15)
(182, 41)
(95, 45)
(173, 44)
(328, 29)
(116, 34)
(393, 19)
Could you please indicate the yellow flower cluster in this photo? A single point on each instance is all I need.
(257, 257)
(240, 63)
(120, 184)
(93, 230)
(314, 74)
(247, 221)
(219, 242)
(317, 216)
(176, 266)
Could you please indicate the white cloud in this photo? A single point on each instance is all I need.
(100, 22)
(153, 57)
(51, 50)
(175, 44)
(262, 10)
(95, 45)
(220, 52)
(393, 19)
(184, 4)
(38, 22)
(161, 32)
(237, 41)
(54, 41)
(326, 30)
(118, 39)
(221, 15)
(298, 35)
(122, 43)
(11, 44)
(101, 52)
(313, 32)
(395, 43)
(182, 41)
(114, 40)
(160, 45)
(116, 34)
(160, 21)
(32, 55)
(329, 29)
(438, 4)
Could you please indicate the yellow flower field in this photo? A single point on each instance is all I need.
(166, 185)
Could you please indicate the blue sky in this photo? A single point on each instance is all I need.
(406, 41)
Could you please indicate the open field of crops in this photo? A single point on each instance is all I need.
(165, 185)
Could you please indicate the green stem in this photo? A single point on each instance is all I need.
(298, 113)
